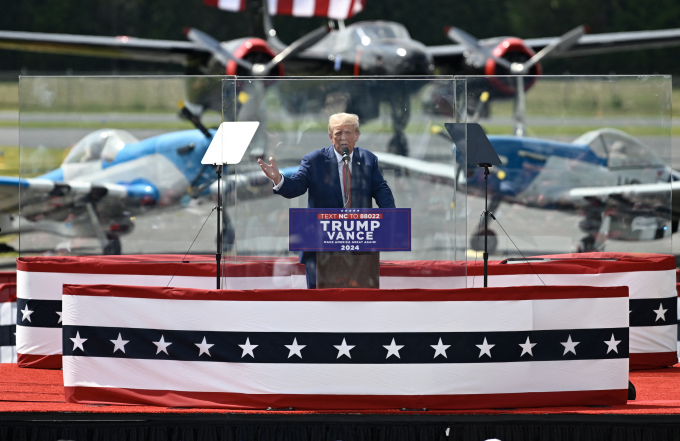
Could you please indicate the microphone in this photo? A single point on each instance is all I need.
(345, 155)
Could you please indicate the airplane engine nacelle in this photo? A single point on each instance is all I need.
(515, 51)
(254, 50)
(440, 100)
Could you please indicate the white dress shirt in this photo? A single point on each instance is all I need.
(338, 156)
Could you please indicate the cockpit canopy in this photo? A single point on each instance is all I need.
(373, 32)
(619, 148)
(102, 144)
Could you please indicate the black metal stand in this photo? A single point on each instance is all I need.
(218, 254)
(486, 220)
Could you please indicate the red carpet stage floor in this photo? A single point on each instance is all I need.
(41, 390)
(32, 408)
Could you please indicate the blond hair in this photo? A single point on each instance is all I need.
(342, 119)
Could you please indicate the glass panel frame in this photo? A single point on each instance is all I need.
(541, 208)
(294, 114)
(140, 198)
(56, 112)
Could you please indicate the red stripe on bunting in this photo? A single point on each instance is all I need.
(564, 264)
(212, 3)
(284, 7)
(8, 292)
(652, 360)
(168, 398)
(163, 265)
(244, 266)
(8, 276)
(321, 8)
(351, 294)
(350, 12)
(39, 361)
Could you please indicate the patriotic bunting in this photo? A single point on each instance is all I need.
(335, 9)
(8, 315)
(346, 349)
(650, 278)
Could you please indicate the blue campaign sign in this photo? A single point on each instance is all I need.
(350, 229)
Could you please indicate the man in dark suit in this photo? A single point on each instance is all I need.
(325, 176)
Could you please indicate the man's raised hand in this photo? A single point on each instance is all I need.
(271, 170)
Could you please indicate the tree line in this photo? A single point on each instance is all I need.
(165, 19)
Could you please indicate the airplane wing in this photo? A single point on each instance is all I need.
(164, 51)
(587, 45)
(39, 191)
(448, 54)
(634, 193)
(446, 173)
(248, 181)
(432, 171)
(613, 42)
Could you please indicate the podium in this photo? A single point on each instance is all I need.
(348, 269)
(348, 241)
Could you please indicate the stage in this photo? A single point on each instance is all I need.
(32, 406)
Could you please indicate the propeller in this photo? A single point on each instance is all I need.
(187, 114)
(299, 45)
(520, 110)
(470, 42)
(213, 46)
(561, 44)
(224, 56)
(483, 99)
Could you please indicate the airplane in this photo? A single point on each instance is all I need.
(617, 183)
(109, 177)
(368, 48)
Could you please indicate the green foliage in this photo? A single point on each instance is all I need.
(165, 19)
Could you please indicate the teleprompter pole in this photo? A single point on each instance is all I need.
(486, 221)
(218, 254)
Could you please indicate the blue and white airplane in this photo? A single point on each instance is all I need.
(619, 185)
(109, 177)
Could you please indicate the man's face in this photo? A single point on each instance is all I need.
(344, 136)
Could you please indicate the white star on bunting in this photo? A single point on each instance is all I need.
(162, 345)
(26, 313)
(248, 348)
(60, 317)
(204, 348)
(295, 349)
(440, 348)
(343, 349)
(526, 347)
(660, 313)
(393, 349)
(119, 344)
(569, 346)
(612, 345)
(485, 348)
(78, 342)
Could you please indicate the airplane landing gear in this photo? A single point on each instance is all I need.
(400, 107)
(477, 241)
(398, 144)
(588, 244)
(112, 246)
(228, 233)
(109, 238)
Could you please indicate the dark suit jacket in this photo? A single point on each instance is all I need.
(318, 174)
